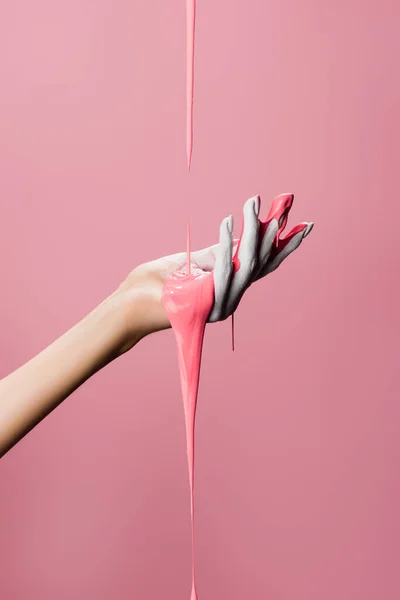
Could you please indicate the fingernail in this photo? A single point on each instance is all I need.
(308, 229)
(229, 223)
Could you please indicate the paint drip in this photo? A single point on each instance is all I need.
(188, 298)
(190, 35)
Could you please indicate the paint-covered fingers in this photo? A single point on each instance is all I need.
(286, 246)
(246, 262)
(223, 270)
(267, 245)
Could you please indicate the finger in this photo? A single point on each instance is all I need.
(223, 269)
(280, 209)
(273, 226)
(245, 260)
(267, 244)
(286, 246)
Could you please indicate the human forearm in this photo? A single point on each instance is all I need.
(35, 389)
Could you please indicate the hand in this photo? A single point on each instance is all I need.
(236, 264)
(259, 251)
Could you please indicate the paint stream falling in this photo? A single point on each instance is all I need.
(188, 299)
(190, 34)
(188, 259)
(190, 360)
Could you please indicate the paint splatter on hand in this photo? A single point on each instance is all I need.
(259, 251)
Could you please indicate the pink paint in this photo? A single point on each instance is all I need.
(279, 210)
(188, 259)
(190, 34)
(188, 298)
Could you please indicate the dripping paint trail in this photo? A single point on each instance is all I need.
(190, 35)
(188, 298)
(188, 259)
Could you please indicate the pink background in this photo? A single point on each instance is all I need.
(298, 448)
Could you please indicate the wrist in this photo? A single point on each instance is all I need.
(138, 312)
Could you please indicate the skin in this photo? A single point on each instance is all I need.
(132, 312)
